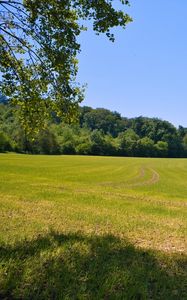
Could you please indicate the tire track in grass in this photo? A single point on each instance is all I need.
(136, 180)
(154, 179)
(119, 183)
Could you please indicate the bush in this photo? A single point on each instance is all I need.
(161, 149)
(68, 148)
(145, 147)
(84, 148)
(5, 144)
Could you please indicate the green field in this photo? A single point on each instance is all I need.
(74, 227)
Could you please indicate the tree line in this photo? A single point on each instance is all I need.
(97, 132)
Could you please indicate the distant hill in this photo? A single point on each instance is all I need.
(98, 132)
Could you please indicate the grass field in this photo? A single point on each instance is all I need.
(74, 227)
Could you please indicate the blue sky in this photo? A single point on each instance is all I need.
(145, 71)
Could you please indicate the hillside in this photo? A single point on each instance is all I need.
(97, 132)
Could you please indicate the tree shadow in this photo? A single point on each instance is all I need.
(76, 266)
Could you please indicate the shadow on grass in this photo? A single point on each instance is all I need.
(75, 266)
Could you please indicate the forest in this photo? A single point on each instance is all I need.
(97, 132)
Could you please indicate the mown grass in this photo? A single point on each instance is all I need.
(75, 227)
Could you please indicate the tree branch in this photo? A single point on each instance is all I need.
(22, 43)
(12, 53)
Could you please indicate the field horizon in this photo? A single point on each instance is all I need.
(92, 227)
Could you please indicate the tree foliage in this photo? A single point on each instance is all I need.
(38, 50)
(61, 138)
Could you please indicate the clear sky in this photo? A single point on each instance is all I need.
(145, 71)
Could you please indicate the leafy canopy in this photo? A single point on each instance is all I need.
(38, 49)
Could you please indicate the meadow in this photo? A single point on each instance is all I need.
(80, 227)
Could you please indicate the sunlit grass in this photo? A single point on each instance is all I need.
(92, 227)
